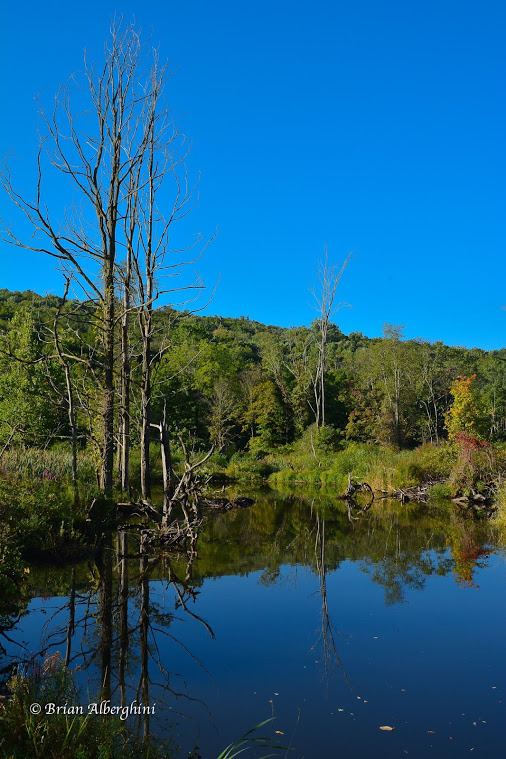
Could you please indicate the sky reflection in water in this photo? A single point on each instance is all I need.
(334, 627)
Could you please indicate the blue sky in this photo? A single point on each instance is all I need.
(369, 126)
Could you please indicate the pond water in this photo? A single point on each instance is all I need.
(335, 623)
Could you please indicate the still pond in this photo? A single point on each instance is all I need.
(333, 622)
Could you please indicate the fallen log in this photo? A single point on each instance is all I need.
(139, 509)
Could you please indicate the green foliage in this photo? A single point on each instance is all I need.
(244, 387)
(249, 741)
(27, 409)
(25, 735)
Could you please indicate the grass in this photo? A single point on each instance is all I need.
(50, 464)
(251, 740)
(500, 515)
(24, 735)
(382, 468)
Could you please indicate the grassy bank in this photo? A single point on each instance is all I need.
(382, 468)
(320, 460)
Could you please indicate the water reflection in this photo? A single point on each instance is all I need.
(328, 632)
(117, 619)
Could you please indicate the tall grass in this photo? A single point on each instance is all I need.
(249, 740)
(24, 735)
(500, 515)
(53, 463)
(382, 468)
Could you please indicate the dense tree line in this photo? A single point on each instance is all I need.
(235, 383)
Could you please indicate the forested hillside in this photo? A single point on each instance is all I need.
(235, 383)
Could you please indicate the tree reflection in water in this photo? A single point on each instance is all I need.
(111, 623)
(120, 608)
(326, 639)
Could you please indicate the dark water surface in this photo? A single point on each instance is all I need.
(335, 623)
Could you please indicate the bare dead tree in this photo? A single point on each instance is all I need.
(125, 365)
(161, 194)
(326, 639)
(114, 141)
(167, 470)
(329, 277)
(69, 390)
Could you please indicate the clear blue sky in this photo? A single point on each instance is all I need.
(370, 125)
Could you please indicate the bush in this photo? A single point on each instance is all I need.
(248, 467)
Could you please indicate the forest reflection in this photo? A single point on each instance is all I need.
(110, 616)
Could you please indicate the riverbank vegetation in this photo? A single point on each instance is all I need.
(398, 412)
(115, 382)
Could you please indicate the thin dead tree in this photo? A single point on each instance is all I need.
(161, 194)
(151, 269)
(331, 659)
(125, 358)
(102, 138)
(329, 277)
(169, 484)
(64, 361)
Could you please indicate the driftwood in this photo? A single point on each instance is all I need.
(224, 504)
(176, 535)
(355, 487)
(138, 509)
(419, 494)
(480, 502)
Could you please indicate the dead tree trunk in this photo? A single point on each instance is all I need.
(168, 472)
(69, 391)
(328, 278)
(125, 369)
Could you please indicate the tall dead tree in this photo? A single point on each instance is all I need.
(114, 141)
(165, 197)
(329, 277)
